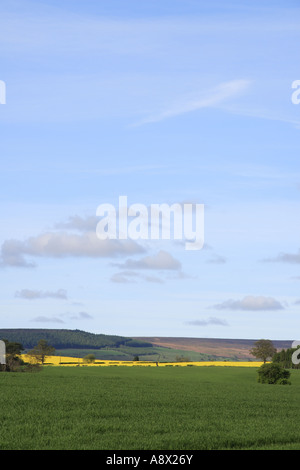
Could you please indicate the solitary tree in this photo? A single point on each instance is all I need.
(263, 349)
(41, 351)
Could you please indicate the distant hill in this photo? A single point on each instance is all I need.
(238, 349)
(78, 343)
(66, 339)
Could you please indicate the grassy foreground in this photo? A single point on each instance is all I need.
(156, 408)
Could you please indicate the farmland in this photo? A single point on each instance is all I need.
(127, 408)
(77, 343)
(78, 361)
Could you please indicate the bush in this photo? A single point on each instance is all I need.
(89, 358)
(273, 373)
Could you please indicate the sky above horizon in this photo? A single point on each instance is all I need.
(166, 101)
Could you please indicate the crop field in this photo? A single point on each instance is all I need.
(78, 361)
(154, 408)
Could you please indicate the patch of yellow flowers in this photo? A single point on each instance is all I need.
(75, 361)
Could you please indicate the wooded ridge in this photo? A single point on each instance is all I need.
(63, 338)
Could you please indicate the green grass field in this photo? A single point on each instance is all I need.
(125, 353)
(137, 408)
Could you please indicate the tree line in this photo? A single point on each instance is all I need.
(64, 339)
(14, 361)
(264, 350)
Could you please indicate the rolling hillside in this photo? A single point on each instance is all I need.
(64, 339)
(78, 343)
(234, 348)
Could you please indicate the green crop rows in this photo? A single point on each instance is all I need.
(177, 408)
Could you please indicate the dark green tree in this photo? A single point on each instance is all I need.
(263, 349)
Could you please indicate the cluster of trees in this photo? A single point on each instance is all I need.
(264, 350)
(14, 361)
(277, 371)
(288, 358)
(68, 339)
(40, 351)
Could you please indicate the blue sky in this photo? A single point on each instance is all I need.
(164, 102)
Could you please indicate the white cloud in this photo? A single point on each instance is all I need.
(161, 261)
(82, 224)
(123, 277)
(35, 294)
(60, 245)
(208, 321)
(251, 303)
(126, 277)
(81, 316)
(44, 319)
(62, 317)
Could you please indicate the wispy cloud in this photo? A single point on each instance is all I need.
(266, 114)
(63, 244)
(160, 261)
(293, 258)
(207, 99)
(217, 259)
(78, 223)
(250, 302)
(45, 319)
(125, 277)
(62, 318)
(81, 316)
(208, 321)
(30, 294)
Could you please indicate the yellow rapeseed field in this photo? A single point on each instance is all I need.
(74, 361)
